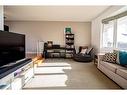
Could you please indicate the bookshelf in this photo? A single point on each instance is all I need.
(69, 43)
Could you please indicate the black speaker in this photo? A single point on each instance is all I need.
(6, 28)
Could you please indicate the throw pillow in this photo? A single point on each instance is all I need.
(89, 50)
(49, 44)
(109, 57)
(117, 56)
(123, 57)
(83, 51)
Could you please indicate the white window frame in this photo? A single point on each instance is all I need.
(109, 49)
(115, 34)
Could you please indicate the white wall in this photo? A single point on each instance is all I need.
(1, 18)
(96, 27)
(46, 31)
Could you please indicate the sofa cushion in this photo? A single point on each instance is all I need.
(110, 57)
(122, 72)
(121, 57)
(110, 66)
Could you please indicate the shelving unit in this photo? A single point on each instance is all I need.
(69, 43)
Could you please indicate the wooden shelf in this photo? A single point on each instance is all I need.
(69, 41)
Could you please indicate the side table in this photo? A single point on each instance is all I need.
(97, 57)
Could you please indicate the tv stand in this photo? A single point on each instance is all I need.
(18, 75)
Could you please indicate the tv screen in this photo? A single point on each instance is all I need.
(12, 47)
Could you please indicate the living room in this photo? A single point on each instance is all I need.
(50, 25)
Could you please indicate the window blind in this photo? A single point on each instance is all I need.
(106, 20)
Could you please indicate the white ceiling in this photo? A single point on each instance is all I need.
(53, 13)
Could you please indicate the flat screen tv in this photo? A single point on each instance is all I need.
(12, 47)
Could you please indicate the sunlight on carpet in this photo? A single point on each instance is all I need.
(47, 81)
(69, 74)
(49, 75)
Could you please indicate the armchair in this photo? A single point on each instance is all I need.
(84, 57)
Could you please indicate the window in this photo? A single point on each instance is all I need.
(122, 33)
(108, 34)
(114, 33)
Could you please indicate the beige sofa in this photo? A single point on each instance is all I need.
(115, 72)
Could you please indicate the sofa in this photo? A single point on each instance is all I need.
(115, 72)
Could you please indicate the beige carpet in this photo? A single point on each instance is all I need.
(68, 74)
